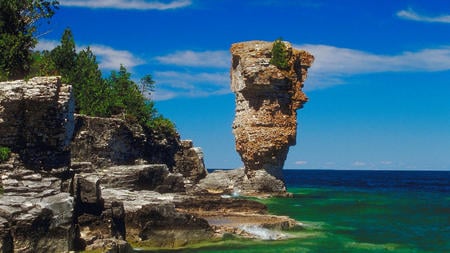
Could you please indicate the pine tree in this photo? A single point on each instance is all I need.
(64, 56)
(279, 54)
(18, 25)
(92, 94)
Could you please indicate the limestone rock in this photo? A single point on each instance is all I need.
(236, 182)
(141, 177)
(162, 226)
(39, 217)
(87, 193)
(266, 102)
(36, 120)
(105, 142)
(189, 162)
(112, 141)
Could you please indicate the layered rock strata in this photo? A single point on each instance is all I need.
(36, 120)
(267, 99)
(75, 182)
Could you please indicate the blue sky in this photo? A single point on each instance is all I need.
(379, 88)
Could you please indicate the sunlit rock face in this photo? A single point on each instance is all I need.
(267, 99)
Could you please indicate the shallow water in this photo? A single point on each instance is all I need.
(373, 216)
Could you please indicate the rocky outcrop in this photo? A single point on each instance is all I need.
(267, 98)
(152, 177)
(76, 183)
(56, 188)
(36, 120)
(189, 162)
(35, 216)
(109, 214)
(105, 142)
(112, 141)
(236, 182)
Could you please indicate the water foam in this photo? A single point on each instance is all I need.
(263, 233)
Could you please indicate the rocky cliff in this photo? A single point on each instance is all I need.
(75, 182)
(36, 120)
(267, 99)
(105, 142)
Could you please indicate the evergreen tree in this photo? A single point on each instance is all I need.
(147, 84)
(279, 54)
(18, 24)
(64, 57)
(127, 98)
(92, 94)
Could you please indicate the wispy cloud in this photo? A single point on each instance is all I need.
(359, 164)
(299, 163)
(410, 14)
(386, 162)
(172, 84)
(127, 4)
(46, 45)
(333, 64)
(108, 57)
(215, 59)
(197, 79)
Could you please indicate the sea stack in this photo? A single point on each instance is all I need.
(267, 99)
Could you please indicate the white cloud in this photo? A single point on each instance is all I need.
(216, 59)
(333, 64)
(358, 164)
(301, 162)
(172, 84)
(127, 4)
(108, 57)
(410, 14)
(386, 162)
(46, 45)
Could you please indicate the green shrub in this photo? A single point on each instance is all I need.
(279, 54)
(4, 153)
(162, 124)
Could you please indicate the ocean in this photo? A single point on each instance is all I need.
(357, 211)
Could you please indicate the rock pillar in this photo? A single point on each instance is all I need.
(267, 99)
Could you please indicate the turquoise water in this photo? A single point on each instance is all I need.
(358, 217)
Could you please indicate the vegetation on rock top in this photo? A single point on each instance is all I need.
(279, 54)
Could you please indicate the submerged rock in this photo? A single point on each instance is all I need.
(267, 99)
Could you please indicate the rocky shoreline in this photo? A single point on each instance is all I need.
(75, 183)
(99, 211)
(109, 183)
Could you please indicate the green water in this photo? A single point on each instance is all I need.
(354, 221)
